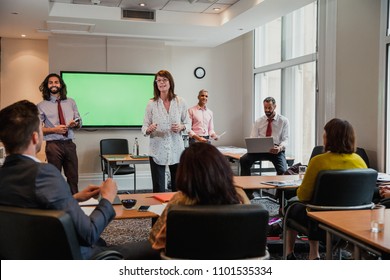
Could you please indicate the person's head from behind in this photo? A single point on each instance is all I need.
(269, 105)
(339, 137)
(204, 175)
(19, 125)
(163, 81)
(53, 84)
(203, 97)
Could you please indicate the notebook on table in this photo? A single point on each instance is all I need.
(94, 202)
(259, 144)
(163, 197)
(293, 183)
(140, 156)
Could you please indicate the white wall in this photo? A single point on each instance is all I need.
(24, 65)
(357, 70)
(224, 75)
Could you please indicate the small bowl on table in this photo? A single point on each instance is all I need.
(128, 203)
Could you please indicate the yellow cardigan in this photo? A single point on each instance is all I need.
(326, 161)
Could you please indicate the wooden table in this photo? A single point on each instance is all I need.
(122, 160)
(118, 160)
(142, 199)
(354, 226)
(254, 183)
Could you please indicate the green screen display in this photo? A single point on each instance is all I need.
(110, 100)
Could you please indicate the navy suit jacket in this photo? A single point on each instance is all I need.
(30, 184)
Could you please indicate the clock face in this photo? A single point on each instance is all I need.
(199, 72)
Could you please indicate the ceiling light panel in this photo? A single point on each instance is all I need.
(106, 3)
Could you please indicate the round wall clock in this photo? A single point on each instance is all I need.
(199, 72)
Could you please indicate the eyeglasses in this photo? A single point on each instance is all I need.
(164, 80)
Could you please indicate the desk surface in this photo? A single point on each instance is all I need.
(125, 158)
(236, 152)
(356, 223)
(254, 182)
(142, 199)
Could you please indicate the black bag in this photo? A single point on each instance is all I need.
(293, 170)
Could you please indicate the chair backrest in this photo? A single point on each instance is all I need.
(114, 146)
(345, 188)
(216, 231)
(317, 150)
(34, 234)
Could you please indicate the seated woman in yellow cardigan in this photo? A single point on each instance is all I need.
(340, 147)
(203, 177)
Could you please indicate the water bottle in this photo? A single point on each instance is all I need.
(136, 147)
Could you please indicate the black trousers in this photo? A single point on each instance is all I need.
(63, 155)
(158, 176)
(278, 160)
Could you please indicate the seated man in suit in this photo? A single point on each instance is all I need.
(271, 124)
(27, 182)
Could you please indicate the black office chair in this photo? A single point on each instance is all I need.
(349, 189)
(216, 232)
(116, 147)
(36, 234)
(317, 150)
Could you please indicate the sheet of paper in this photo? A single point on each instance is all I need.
(222, 134)
(87, 210)
(231, 149)
(89, 202)
(157, 209)
(383, 177)
(283, 183)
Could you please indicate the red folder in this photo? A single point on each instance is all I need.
(164, 197)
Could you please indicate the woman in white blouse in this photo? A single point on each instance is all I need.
(165, 118)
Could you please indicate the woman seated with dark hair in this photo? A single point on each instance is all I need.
(339, 147)
(203, 177)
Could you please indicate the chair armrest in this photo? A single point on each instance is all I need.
(324, 208)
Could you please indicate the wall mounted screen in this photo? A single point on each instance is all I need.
(110, 100)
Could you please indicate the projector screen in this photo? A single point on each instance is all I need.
(110, 100)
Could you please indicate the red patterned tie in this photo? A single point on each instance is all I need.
(61, 115)
(269, 128)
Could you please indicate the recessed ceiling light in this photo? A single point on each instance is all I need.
(142, 4)
(23, 35)
(216, 9)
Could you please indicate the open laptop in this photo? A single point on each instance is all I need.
(259, 144)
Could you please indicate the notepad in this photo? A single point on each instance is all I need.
(95, 202)
(283, 183)
(140, 156)
(163, 197)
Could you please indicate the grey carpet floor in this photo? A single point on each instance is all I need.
(133, 230)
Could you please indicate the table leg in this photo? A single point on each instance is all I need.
(328, 245)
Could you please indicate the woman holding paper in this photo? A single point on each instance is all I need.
(204, 177)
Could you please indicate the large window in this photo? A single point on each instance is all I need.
(285, 68)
